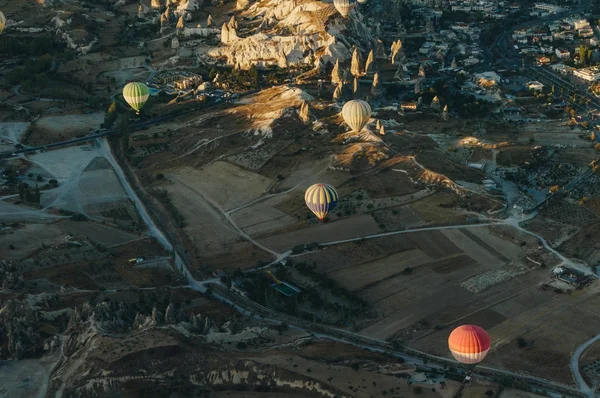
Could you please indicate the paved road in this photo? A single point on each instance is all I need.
(575, 367)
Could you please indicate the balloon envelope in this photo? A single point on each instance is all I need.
(136, 94)
(2, 22)
(469, 344)
(362, 1)
(343, 6)
(356, 114)
(321, 199)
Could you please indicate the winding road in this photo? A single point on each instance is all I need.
(585, 389)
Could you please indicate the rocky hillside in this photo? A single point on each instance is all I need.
(291, 32)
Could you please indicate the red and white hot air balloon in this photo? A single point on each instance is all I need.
(469, 344)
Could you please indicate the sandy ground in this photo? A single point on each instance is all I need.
(263, 217)
(307, 174)
(228, 185)
(64, 163)
(205, 226)
(91, 187)
(28, 239)
(13, 131)
(359, 383)
(48, 129)
(10, 212)
(25, 378)
(107, 236)
(343, 229)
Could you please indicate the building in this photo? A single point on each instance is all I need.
(591, 74)
(543, 60)
(547, 8)
(562, 69)
(563, 53)
(535, 86)
(409, 106)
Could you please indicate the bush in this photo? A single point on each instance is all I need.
(418, 390)
(241, 345)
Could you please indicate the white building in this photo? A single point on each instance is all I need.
(535, 86)
(549, 8)
(591, 74)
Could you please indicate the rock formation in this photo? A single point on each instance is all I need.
(336, 74)
(180, 23)
(396, 49)
(355, 66)
(304, 113)
(422, 71)
(381, 130)
(376, 87)
(370, 64)
(399, 75)
(224, 34)
(419, 87)
(282, 60)
(242, 4)
(445, 113)
(453, 65)
(155, 4)
(232, 24)
(435, 104)
(338, 92)
(355, 86)
(209, 21)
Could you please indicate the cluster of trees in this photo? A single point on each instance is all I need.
(29, 195)
(33, 74)
(585, 55)
(31, 47)
(163, 196)
(238, 79)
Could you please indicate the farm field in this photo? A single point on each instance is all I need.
(227, 185)
(209, 232)
(346, 228)
(464, 275)
(50, 129)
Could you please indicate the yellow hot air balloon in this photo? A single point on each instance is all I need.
(136, 94)
(356, 114)
(343, 6)
(321, 199)
(2, 22)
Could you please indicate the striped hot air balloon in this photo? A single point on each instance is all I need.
(469, 344)
(2, 21)
(136, 94)
(356, 114)
(343, 6)
(321, 199)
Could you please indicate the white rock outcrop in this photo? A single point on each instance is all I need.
(302, 29)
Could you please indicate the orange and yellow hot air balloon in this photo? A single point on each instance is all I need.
(469, 344)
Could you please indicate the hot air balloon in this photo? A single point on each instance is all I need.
(469, 344)
(321, 199)
(356, 114)
(343, 6)
(2, 22)
(136, 94)
(362, 1)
